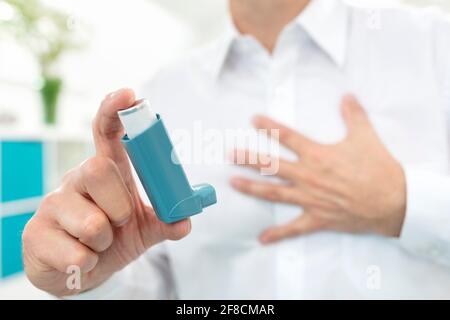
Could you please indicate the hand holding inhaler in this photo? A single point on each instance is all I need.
(96, 223)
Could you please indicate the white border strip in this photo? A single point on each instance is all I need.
(28, 205)
(1, 209)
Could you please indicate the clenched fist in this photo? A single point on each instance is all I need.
(96, 219)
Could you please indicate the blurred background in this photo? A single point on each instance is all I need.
(58, 59)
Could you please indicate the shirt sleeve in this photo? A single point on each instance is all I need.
(149, 277)
(426, 230)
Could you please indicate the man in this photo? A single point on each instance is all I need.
(359, 207)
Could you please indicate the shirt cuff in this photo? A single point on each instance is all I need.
(425, 229)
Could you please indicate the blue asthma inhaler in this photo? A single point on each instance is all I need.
(152, 154)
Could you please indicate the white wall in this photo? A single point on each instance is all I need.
(129, 41)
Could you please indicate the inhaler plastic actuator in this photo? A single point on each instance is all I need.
(150, 150)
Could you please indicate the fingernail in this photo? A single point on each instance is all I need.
(188, 226)
(112, 95)
(264, 239)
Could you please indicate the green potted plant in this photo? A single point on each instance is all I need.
(47, 33)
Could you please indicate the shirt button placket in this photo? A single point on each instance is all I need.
(281, 106)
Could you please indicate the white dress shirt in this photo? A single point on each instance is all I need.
(397, 63)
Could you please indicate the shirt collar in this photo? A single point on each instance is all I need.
(325, 21)
(221, 49)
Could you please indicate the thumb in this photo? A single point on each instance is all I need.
(354, 115)
(154, 231)
(177, 230)
(108, 130)
(305, 224)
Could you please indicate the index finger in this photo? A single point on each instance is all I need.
(287, 136)
(108, 130)
(99, 180)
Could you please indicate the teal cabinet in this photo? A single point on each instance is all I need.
(23, 161)
(11, 243)
(21, 186)
(21, 170)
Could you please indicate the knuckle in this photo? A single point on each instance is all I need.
(311, 178)
(327, 166)
(31, 239)
(68, 176)
(128, 207)
(325, 224)
(95, 226)
(293, 197)
(317, 156)
(293, 229)
(297, 172)
(324, 162)
(272, 193)
(298, 226)
(286, 135)
(28, 235)
(80, 258)
(95, 168)
(122, 215)
(50, 202)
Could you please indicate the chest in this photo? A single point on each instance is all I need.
(208, 119)
(404, 105)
